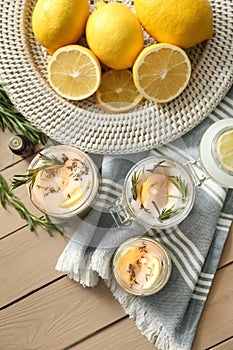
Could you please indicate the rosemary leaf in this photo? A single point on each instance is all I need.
(169, 213)
(157, 165)
(135, 181)
(13, 120)
(30, 177)
(7, 197)
(156, 207)
(180, 185)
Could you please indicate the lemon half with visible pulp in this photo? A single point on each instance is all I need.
(74, 72)
(117, 92)
(161, 72)
(224, 150)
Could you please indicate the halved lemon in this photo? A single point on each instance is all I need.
(224, 150)
(154, 273)
(75, 196)
(74, 72)
(117, 92)
(161, 72)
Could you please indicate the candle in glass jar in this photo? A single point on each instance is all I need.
(65, 189)
(141, 266)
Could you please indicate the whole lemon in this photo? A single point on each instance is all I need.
(59, 23)
(114, 34)
(183, 23)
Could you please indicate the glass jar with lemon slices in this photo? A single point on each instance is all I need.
(66, 181)
(159, 192)
(141, 266)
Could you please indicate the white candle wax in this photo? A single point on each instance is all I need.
(65, 189)
(141, 266)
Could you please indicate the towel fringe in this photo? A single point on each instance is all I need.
(78, 267)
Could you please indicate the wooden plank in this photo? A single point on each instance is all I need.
(27, 261)
(57, 316)
(217, 319)
(122, 335)
(226, 345)
(7, 158)
(227, 255)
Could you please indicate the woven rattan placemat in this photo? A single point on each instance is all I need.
(86, 126)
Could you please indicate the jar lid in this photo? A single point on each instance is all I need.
(67, 188)
(208, 155)
(16, 143)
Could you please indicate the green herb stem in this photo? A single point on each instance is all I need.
(135, 181)
(167, 213)
(7, 197)
(13, 120)
(30, 177)
(180, 185)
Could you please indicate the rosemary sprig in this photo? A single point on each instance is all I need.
(180, 185)
(135, 181)
(7, 197)
(30, 177)
(12, 119)
(167, 213)
(159, 164)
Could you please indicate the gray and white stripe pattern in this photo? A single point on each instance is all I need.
(169, 318)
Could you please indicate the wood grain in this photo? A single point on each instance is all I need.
(226, 345)
(121, 335)
(227, 255)
(27, 261)
(57, 316)
(216, 323)
(44, 310)
(7, 158)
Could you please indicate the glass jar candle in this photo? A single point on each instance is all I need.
(157, 192)
(141, 266)
(67, 182)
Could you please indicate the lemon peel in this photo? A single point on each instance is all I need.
(184, 23)
(75, 196)
(59, 23)
(114, 34)
(154, 273)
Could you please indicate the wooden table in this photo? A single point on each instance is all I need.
(43, 309)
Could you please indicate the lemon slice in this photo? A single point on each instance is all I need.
(154, 273)
(74, 72)
(224, 150)
(145, 191)
(161, 72)
(117, 92)
(75, 196)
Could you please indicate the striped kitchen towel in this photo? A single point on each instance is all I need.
(169, 318)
